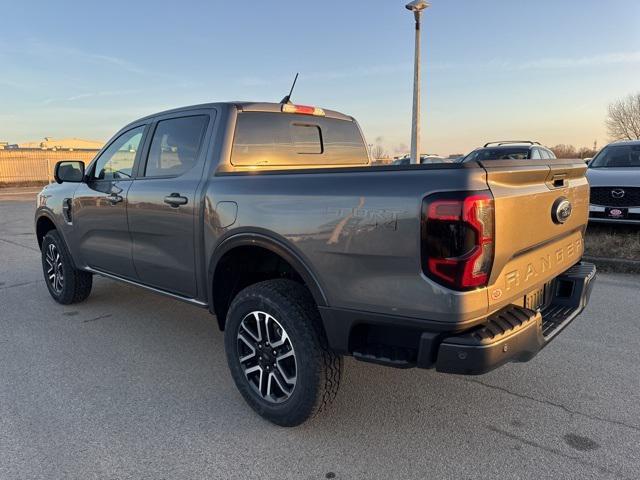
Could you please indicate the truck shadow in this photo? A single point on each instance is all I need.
(169, 339)
(172, 338)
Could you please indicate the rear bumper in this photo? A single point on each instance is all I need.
(513, 334)
(517, 334)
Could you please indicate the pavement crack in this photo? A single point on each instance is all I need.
(552, 450)
(19, 245)
(561, 406)
(22, 284)
(99, 317)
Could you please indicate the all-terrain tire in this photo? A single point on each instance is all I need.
(293, 311)
(68, 285)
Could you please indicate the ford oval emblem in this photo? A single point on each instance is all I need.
(561, 210)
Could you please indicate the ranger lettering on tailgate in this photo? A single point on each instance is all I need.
(533, 268)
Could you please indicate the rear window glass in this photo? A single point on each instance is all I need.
(279, 139)
(514, 153)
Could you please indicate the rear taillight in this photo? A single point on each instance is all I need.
(458, 238)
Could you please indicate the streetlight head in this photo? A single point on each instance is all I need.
(417, 5)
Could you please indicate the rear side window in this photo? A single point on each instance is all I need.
(280, 139)
(175, 146)
(546, 154)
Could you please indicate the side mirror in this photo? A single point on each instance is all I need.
(69, 171)
(587, 160)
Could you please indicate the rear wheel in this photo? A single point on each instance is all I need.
(66, 284)
(278, 353)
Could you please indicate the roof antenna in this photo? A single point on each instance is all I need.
(287, 99)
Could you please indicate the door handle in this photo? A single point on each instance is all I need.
(175, 200)
(114, 198)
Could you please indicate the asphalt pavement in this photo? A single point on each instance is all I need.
(133, 385)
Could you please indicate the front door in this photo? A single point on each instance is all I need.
(162, 204)
(99, 209)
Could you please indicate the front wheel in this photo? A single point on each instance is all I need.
(66, 284)
(278, 353)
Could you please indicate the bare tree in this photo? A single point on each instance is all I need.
(569, 151)
(623, 121)
(564, 151)
(378, 152)
(587, 152)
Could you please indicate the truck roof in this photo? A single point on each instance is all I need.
(245, 107)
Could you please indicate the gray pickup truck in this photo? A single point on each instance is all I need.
(272, 217)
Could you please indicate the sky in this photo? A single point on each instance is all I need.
(543, 70)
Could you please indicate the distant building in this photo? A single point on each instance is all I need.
(64, 144)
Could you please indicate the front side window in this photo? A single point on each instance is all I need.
(175, 146)
(617, 156)
(116, 162)
(280, 139)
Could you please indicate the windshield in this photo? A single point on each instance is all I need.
(617, 156)
(510, 153)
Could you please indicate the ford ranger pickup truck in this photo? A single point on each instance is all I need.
(272, 217)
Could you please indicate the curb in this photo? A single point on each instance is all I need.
(618, 265)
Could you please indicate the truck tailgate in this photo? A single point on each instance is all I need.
(533, 241)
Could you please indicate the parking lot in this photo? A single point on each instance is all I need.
(133, 385)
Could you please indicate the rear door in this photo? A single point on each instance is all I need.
(541, 215)
(162, 202)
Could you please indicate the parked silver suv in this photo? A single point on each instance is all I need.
(614, 176)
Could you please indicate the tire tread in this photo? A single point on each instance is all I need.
(297, 300)
(78, 283)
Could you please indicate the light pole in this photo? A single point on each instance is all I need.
(416, 7)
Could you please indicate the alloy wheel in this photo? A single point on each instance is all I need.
(267, 356)
(55, 275)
